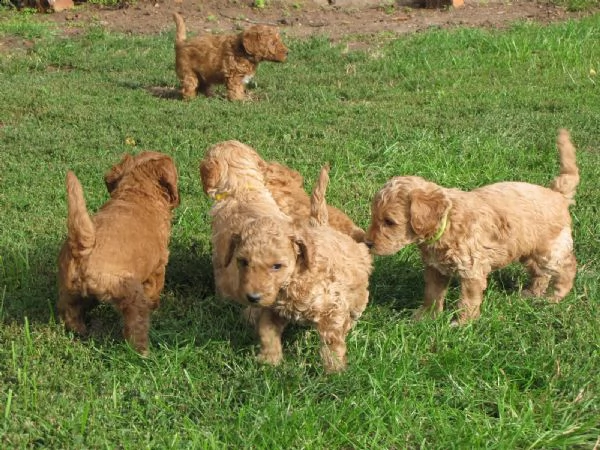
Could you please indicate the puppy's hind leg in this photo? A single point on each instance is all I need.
(436, 286)
(563, 280)
(333, 348)
(153, 286)
(135, 308)
(538, 284)
(72, 309)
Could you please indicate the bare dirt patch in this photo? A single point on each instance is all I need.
(304, 18)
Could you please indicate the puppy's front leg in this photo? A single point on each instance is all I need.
(333, 348)
(436, 286)
(270, 327)
(235, 88)
(471, 296)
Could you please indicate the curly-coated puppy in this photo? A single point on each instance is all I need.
(228, 59)
(230, 167)
(232, 176)
(119, 255)
(287, 187)
(472, 233)
(309, 274)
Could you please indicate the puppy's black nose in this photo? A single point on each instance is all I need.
(369, 244)
(253, 297)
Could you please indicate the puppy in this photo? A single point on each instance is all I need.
(232, 176)
(230, 169)
(309, 274)
(229, 59)
(119, 255)
(287, 187)
(473, 233)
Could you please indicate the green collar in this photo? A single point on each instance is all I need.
(438, 234)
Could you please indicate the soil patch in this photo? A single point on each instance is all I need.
(304, 18)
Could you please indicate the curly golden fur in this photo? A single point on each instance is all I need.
(227, 59)
(472, 233)
(119, 255)
(305, 273)
(228, 168)
(287, 187)
(231, 174)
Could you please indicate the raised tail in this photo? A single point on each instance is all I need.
(568, 179)
(180, 34)
(81, 233)
(318, 206)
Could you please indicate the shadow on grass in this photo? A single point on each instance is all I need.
(396, 282)
(164, 92)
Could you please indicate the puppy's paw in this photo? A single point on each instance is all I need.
(272, 357)
(424, 313)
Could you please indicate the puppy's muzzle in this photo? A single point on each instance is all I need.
(369, 244)
(253, 297)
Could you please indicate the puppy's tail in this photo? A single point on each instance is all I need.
(180, 34)
(568, 179)
(81, 233)
(318, 205)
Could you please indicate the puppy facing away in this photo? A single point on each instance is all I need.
(305, 273)
(226, 59)
(472, 233)
(119, 255)
(287, 188)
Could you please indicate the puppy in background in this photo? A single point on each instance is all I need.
(472, 233)
(119, 255)
(307, 273)
(227, 59)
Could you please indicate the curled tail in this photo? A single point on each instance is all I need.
(81, 233)
(568, 179)
(318, 205)
(180, 34)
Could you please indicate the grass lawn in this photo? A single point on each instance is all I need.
(462, 107)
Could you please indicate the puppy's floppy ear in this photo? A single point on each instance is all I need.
(114, 175)
(427, 208)
(233, 244)
(167, 177)
(210, 173)
(251, 40)
(304, 250)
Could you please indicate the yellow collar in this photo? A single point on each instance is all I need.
(438, 234)
(221, 196)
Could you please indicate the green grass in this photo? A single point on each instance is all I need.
(463, 107)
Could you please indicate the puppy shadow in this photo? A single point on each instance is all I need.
(28, 282)
(397, 282)
(164, 92)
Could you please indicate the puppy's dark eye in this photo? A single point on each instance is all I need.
(242, 262)
(276, 267)
(388, 222)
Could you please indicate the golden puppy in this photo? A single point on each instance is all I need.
(309, 274)
(232, 176)
(472, 233)
(229, 59)
(287, 187)
(119, 255)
